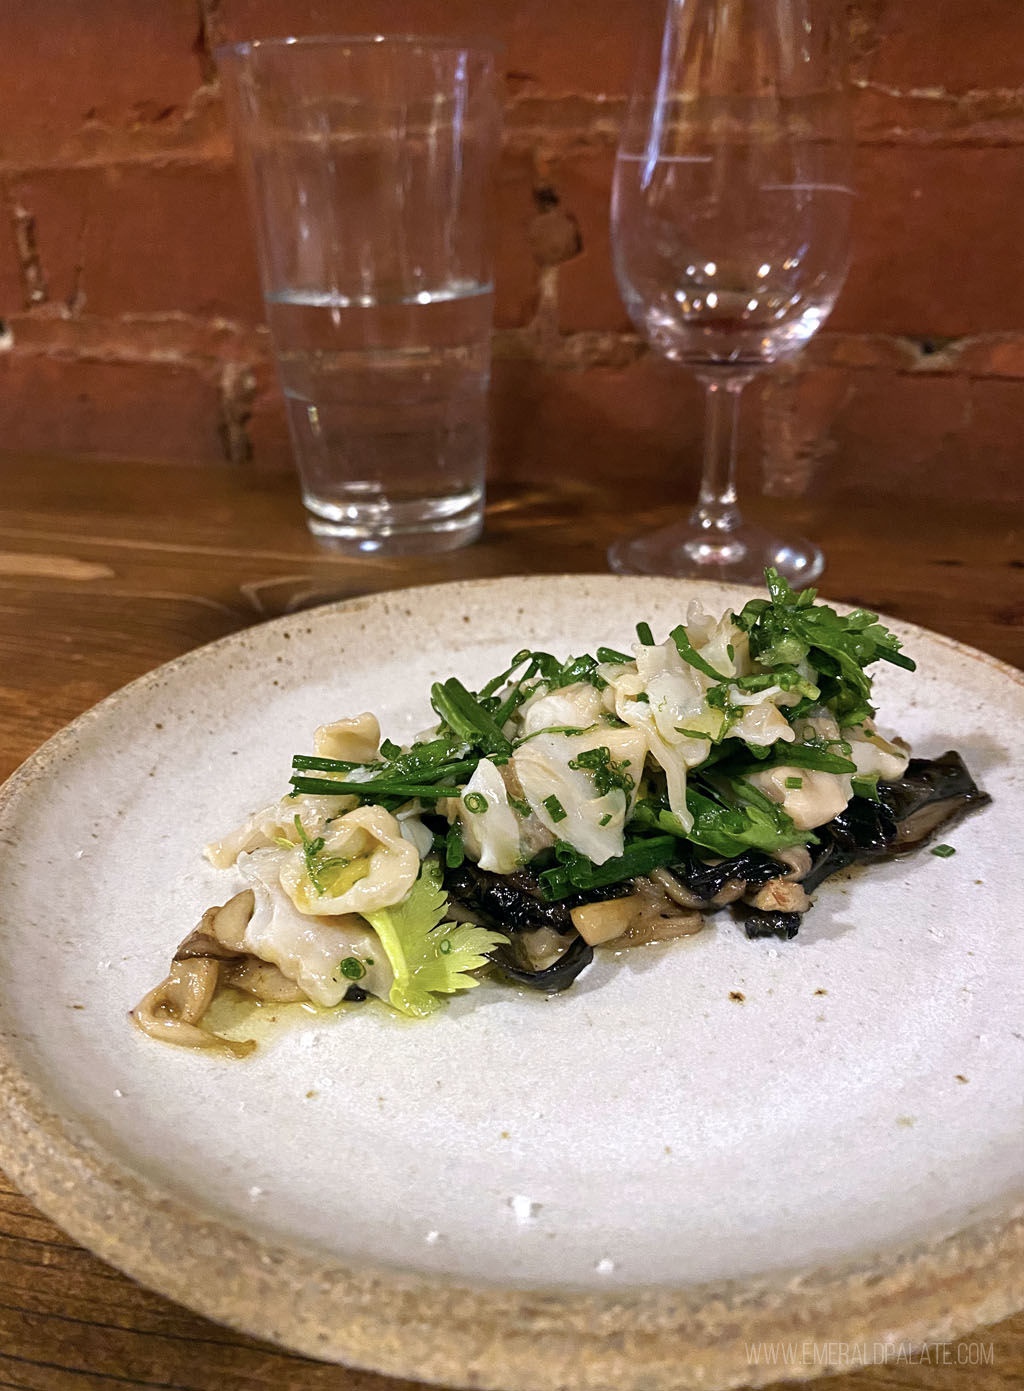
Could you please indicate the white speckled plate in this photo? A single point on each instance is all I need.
(617, 1187)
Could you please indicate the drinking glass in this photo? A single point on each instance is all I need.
(368, 162)
(730, 222)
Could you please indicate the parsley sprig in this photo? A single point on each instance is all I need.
(789, 627)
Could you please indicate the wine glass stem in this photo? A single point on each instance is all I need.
(716, 512)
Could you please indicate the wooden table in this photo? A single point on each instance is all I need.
(107, 570)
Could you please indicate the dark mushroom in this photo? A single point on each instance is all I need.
(706, 880)
(784, 925)
(509, 903)
(514, 962)
(931, 793)
(513, 903)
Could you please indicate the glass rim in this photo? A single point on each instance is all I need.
(437, 43)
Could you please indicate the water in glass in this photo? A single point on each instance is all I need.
(369, 165)
(387, 404)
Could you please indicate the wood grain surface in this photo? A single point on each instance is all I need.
(107, 570)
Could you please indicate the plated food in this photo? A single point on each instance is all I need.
(611, 798)
(834, 1155)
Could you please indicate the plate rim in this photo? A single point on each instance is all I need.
(399, 1322)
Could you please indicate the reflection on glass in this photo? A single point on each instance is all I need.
(731, 232)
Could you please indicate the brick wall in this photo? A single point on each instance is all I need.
(128, 284)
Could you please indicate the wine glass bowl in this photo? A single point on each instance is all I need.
(730, 223)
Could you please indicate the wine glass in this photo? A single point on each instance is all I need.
(730, 226)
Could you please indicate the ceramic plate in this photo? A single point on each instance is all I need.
(699, 1147)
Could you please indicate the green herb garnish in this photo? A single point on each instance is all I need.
(467, 717)
(609, 655)
(943, 851)
(813, 754)
(689, 654)
(454, 849)
(866, 787)
(554, 808)
(605, 772)
(428, 955)
(328, 874)
(790, 627)
(575, 873)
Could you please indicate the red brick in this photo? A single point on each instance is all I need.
(885, 433)
(50, 332)
(550, 45)
(134, 239)
(645, 419)
(268, 426)
(798, 404)
(12, 290)
(119, 63)
(1001, 355)
(947, 45)
(994, 444)
(588, 296)
(896, 432)
(898, 435)
(527, 237)
(130, 410)
(515, 271)
(938, 249)
(938, 245)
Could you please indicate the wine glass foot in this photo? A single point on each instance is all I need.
(739, 557)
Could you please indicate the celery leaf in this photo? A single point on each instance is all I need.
(429, 956)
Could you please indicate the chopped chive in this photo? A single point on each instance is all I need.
(352, 968)
(569, 729)
(498, 681)
(866, 787)
(454, 849)
(575, 872)
(605, 819)
(644, 634)
(810, 755)
(320, 787)
(730, 651)
(794, 782)
(475, 802)
(326, 765)
(606, 773)
(609, 654)
(943, 851)
(642, 697)
(467, 717)
(555, 809)
(693, 733)
(520, 805)
(689, 654)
